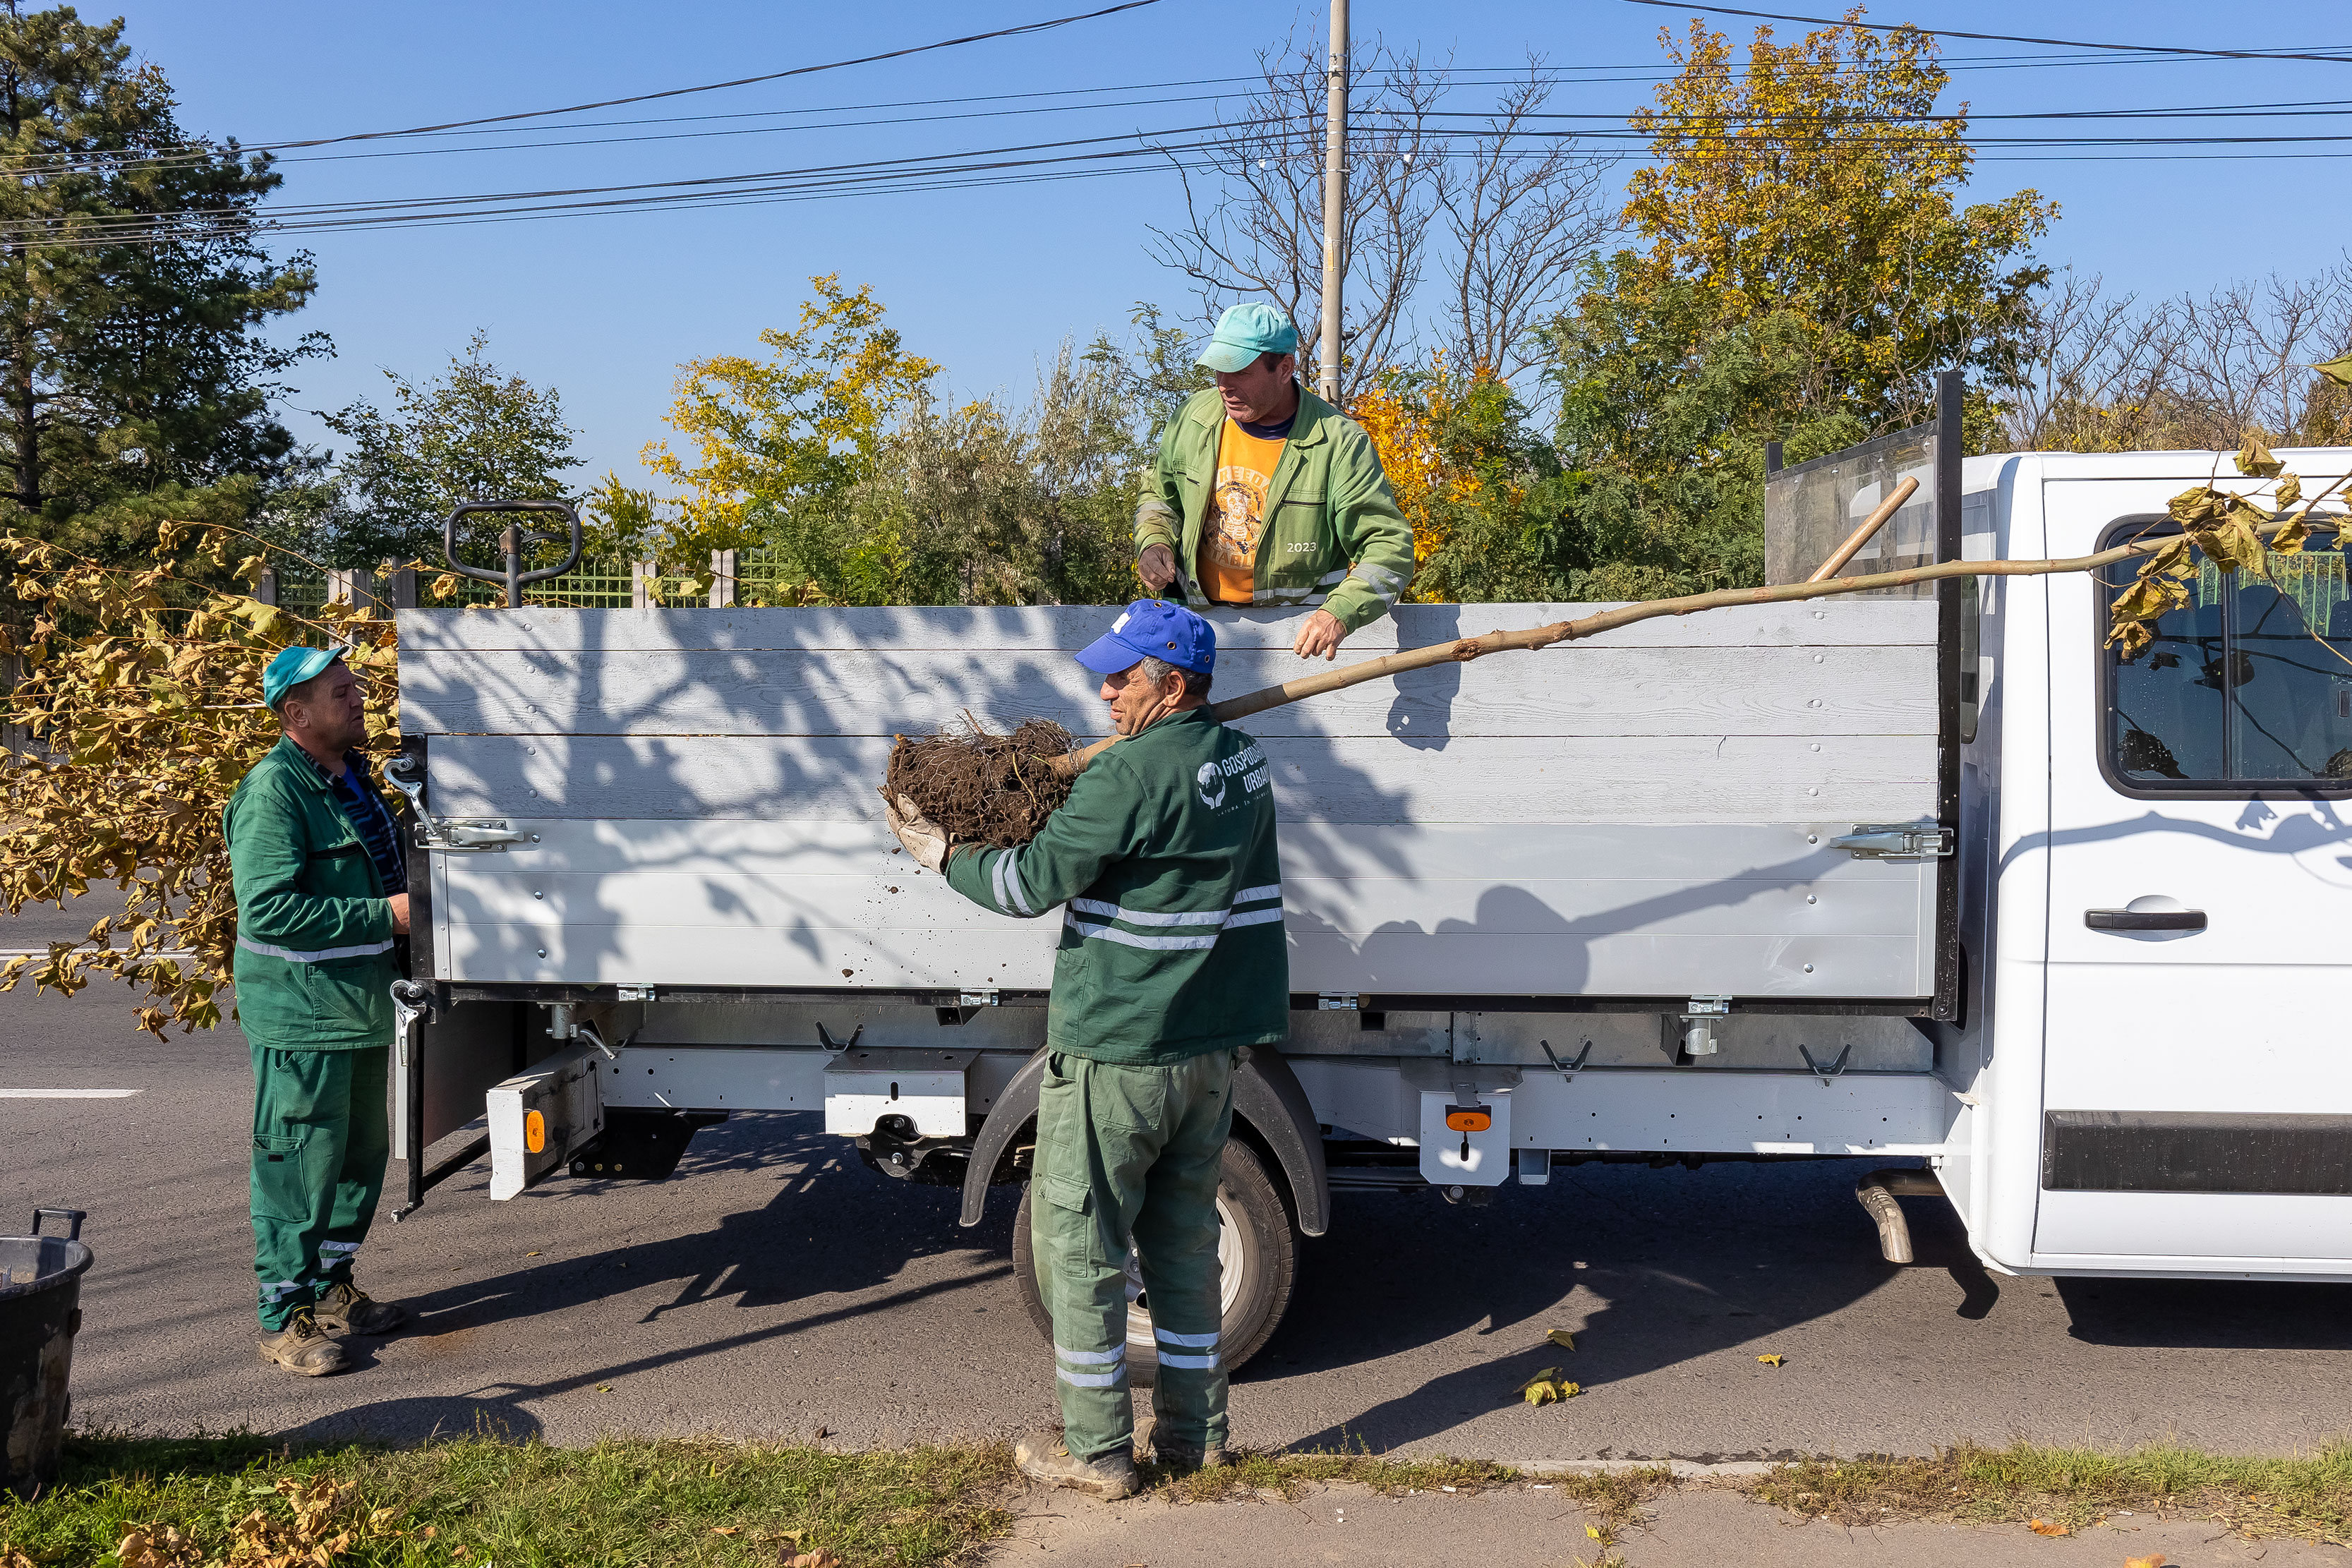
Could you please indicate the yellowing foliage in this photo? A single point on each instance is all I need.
(805, 423)
(1405, 425)
(1820, 180)
(149, 720)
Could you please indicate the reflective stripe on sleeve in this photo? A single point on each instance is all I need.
(365, 950)
(1251, 895)
(1011, 897)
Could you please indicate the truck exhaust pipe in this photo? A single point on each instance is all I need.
(1877, 1193)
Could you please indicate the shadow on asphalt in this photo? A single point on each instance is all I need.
(421, 1419)
(2207, 1314)
(1676, 1264)
(863, 1232)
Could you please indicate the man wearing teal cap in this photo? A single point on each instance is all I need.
(1265, 494)
(321, 878)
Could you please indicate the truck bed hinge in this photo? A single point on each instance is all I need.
(1897, 841)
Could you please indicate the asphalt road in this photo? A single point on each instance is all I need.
(774, 1287)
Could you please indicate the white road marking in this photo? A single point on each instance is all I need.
(67, 1093)
(6, 953)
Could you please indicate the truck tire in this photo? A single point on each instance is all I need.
(1254, 1244)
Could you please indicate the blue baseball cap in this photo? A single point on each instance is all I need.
(291, 667)
(1154, 629)
(1243, 333)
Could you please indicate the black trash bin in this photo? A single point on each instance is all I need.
(40, 1312)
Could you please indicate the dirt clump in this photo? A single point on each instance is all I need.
(980, 786)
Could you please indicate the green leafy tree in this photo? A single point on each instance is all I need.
(1823, 180)
(473, 433)
(132, 293)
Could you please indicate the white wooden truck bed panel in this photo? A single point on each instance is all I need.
(1642, 819)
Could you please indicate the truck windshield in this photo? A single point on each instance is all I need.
(2249, 683)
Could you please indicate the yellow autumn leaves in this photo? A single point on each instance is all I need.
(2232, 530)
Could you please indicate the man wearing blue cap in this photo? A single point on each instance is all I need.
(1172, 958)
(1265, 494)
(321, 880)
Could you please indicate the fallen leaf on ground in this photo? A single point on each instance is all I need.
(2043, 1527)
(1592, 1530)
(603, 1388)
(819, 1558)
(1772, 1360)
(726, 1529)
(1561, 1338)
(2153, 1560)
(531, 1255)
(1547, 1385)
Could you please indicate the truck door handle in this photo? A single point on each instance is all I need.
(2145, 919)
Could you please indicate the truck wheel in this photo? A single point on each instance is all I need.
(1254, 1248)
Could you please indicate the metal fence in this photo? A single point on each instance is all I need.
(606, 585)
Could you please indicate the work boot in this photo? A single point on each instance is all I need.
(1044, 1459)
(1176, 1454)
(300, 1347)
(346, 1308)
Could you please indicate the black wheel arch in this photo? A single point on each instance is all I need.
(1268, 1098)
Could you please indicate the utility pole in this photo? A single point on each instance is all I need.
(1335, 203)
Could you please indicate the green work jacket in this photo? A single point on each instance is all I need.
(314, 963)
(1333, 535)
(1164, 858)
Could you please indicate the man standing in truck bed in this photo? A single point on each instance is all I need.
(1172, 958)
(1265, 494)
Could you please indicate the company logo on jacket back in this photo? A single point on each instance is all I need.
(1249, 762)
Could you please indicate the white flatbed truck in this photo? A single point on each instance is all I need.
(1936, 879)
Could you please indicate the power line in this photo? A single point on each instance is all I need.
(1024, 28)
(2000, 37)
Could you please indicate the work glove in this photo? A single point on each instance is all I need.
(924, 839)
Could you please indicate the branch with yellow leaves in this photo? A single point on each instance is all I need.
(141, 689)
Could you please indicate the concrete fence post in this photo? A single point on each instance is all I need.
(396, 587)
(353, 586)
(722, 579)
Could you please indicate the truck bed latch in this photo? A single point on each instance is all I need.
(1897, 841)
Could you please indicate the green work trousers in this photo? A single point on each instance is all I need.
(1131, 1155)
(320, 1138)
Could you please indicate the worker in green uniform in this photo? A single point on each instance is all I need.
(321, 877)
(1172, 961)
(1265, 494)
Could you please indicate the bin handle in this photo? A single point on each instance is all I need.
(73, 1218)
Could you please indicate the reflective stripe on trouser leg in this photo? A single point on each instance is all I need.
(320, 1139)
(1121, 1151)
(367, 1149)
(1176, 1246)
(1081, 1270)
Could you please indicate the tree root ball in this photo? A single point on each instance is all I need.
(982, 787)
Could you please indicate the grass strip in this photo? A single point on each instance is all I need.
(2310, 1497)
(619, 1503)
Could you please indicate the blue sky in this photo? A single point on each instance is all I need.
(988, 281)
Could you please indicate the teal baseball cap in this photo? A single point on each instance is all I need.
(1243, 333)
(291, 667)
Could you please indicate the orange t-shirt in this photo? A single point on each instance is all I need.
(1236, 515)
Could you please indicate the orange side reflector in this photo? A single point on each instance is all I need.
(534, 1131)
(1463, 1119)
